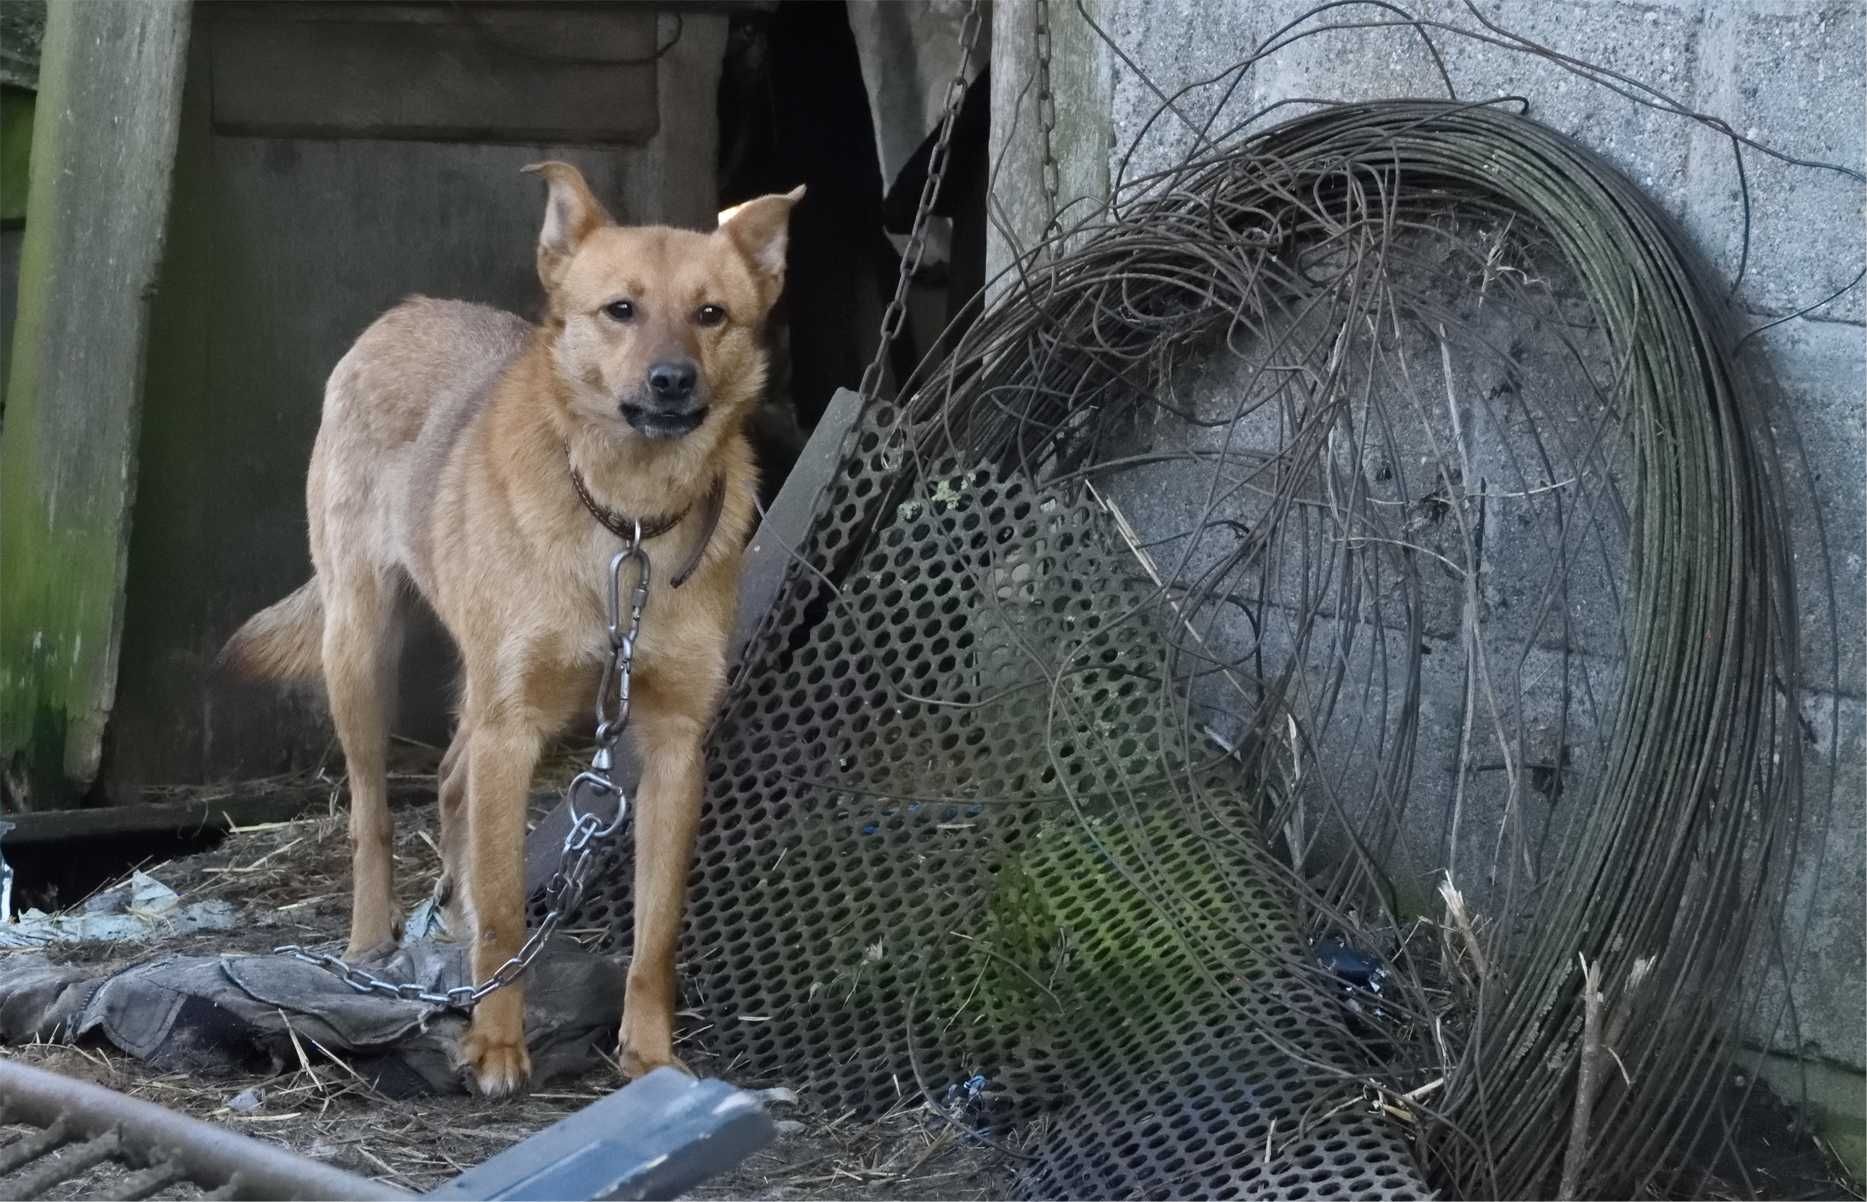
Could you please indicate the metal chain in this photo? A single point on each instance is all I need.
(565, 888)
(896, 313)
(1052, 175)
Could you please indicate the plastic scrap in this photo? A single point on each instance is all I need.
(137, 909)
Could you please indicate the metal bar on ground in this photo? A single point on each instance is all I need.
(210, 1155)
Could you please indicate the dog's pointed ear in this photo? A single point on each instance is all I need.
(571, 212)
(760, 229)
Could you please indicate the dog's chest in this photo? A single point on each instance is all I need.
(607, 611)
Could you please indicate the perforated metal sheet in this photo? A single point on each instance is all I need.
(956, 841)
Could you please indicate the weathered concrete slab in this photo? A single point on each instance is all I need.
(1821, 372)
(1081, 79)
(1657, 44)
(1822, 934)
(1787, 74)
(1197, 44)
(486, 73)
(110, 87)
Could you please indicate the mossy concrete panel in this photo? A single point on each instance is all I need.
(110, 85)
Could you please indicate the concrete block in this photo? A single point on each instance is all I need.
(1792, 76)
(1500, 842)
(1789, 73)
(1186, 56)
(1821, 424)
(1837, 1102)
(1655, 43)
(1523, 460)
(1824, 939)
(1080, 82)
(1535, 714)
(1521, 715)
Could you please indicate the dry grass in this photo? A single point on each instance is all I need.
(292, 881)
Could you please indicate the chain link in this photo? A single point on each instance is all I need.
(896, 312)
(1052, 175)
(566, 886)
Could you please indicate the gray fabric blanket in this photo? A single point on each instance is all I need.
(205, 1014)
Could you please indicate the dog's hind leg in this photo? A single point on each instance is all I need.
(362, 649)
(450, 888)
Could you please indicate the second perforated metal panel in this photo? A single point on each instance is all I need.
(958, 841)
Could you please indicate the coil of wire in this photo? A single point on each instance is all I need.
(1691, 820)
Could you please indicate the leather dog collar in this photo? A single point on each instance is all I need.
(624, 528)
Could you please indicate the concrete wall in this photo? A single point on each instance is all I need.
(1788, 73)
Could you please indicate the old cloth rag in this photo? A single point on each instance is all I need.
(239, 1013)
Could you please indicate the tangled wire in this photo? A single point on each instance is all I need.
(1310, 252)
(1310, 671)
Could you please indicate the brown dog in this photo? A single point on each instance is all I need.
(451, 441)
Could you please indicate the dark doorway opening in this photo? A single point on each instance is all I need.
(793, 110)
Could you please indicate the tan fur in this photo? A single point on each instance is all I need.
(284, 641)
(441, 465)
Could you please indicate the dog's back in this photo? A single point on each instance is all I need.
(395, 412)
(396, 409)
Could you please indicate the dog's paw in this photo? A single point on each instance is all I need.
(636, 1065)
(500, 1066)
(375, 928)
(369, 944)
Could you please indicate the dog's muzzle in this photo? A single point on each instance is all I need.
(654, 423)
(669, 404)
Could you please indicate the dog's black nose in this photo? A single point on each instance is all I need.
(673, 381)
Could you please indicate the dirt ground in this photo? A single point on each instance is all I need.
(291, 881)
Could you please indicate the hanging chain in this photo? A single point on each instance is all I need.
(896, 313)
(1052, 175)
(565, 888)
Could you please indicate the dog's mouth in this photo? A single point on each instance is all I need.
(650, 423)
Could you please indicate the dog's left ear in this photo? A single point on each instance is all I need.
(572, 211)
(759, 228)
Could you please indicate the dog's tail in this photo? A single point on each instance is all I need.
(284, 641)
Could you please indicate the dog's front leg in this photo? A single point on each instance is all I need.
(670, 733)
(500, 759)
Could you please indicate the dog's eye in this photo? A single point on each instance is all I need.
(621, 310)
(710, 315)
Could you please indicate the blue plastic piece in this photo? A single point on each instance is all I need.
(656, 1138)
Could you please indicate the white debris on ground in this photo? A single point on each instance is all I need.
(139, 908)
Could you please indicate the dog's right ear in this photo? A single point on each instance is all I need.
(571, 212)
